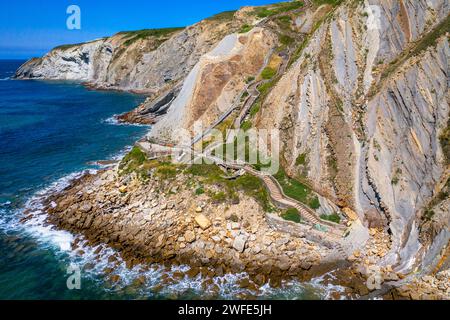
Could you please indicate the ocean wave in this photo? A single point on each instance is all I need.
(5, 79)
(113, 121)
(156, 281)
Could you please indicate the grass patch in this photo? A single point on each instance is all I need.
(268, 11)
(250, 185)
(301, 159)
(429, 40)
(132, 161)
(246, 125)
(286, 40)
(268, 73)
(245, 28)
(223, 16)
(199, 191)
(292, 214)
(332, 217)
(249, 79)
(67, 46)
(133, 36)
(444, 140)
(441, 196)
(265, 87)
(297, 190)
(255, 109)
(330, 2)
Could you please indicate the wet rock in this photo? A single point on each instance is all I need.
(193, 272)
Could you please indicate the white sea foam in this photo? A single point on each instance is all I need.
(96, 259)
(5, 79)
(113, 121)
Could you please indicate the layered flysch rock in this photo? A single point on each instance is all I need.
(145, 61)
(215, 82)
(366, 103)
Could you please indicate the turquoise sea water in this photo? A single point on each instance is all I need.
(49, 133)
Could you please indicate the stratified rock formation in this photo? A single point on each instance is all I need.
(358, 89)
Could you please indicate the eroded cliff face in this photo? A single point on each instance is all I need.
(148, 61)
(216, 81)
(361, 108)
(366, 104)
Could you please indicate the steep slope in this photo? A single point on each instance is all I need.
(216, 81)
(146, 61)
(365, 105)
(359, 91)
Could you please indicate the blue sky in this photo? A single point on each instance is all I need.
(29, 28)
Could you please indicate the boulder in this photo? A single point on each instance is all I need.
(203, 221)
(239, 243)
(189, 236)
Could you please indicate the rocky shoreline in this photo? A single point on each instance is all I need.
(167, 221)
(168, 216)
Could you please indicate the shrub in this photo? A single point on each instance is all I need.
(147, 33)
(314, 203)
(332, 217)
(223, 16)
(133, 160)
(444, 139)
(301, 159)
(297, 190)
(245, 28)
(292, 214)
(268, 73)
(199, 191)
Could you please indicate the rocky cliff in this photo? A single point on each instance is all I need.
(358, 89)
(143, 61)
(365, 105)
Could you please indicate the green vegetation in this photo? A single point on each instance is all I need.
(265, 87)
(301, 159)
(332, 217)
(137, 161)
(421, 45)
(246, 125)
(250, 185)
(286, 40)
(166, 170)
(67, 46)
(284, 21)
(249, 79)
(268, 11)
(330, 2)
(292, 214)
(298, 52)
(132, 161)
(223, 16)
(268, 73)
(297, 190)
(245, 28)
(314, 203)
(199, 191)
(255, 109)
(133, 36)
(444, 139)
(396, 178)
(441, 196)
